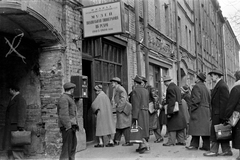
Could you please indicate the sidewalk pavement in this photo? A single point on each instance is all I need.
(157, 152)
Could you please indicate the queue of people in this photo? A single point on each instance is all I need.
(183, 111)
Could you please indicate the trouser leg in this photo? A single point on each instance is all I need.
(67, 148)
(74, 146)
(172, 137)
(181, 136)
(206, 142)
(195, 141)
(214, 147)
(118, 135)
(126, 133)
(225, 146)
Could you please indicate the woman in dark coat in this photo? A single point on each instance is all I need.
(234, 105)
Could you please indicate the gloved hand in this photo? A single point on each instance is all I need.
(75, 127)
(20, 128)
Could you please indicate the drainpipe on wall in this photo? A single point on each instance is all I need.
(136, 6)
(224, 55)
(177, 45)
(195, 35)
(145, 15)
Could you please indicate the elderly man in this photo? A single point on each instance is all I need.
(140, 101)
(123, 109)
(199, 124)
(176, 122)
(219, 99)
(67, 122)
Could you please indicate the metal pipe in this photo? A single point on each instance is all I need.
(136, 6)
(145, 15)
(177, 45)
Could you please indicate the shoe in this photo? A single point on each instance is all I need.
(110, 145)
(191, 148)
(98, 145)
(204, 149)
(116, 143)
(168, 144)
(210, 154)
(142, 150)
(138, 149)
(229, 153)
(180, 144)
(159, 140)
(127, 144)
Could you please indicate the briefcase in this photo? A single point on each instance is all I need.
(20, 138)
(223, 132)
(136, 134)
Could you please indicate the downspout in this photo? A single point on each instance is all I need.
(145, 15)
(224, 55)
(136, 6)
(195, 36)
(177, 46)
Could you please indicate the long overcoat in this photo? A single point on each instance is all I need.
(199, 124)
(102, 107)
(123, 108)
(175, 121)
(140, 101)
(234, 105)
(219, 99)
(15, 117)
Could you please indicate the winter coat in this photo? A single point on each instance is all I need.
(185, 111)
(67, 111)
(219, 99)
(123, 108)
(199, 124)
(15, 117)
(175, 121)
(140, 101)
(234, 105)
(102, 107)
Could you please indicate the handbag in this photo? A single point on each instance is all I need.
(136, 134)
(176, 107)
(20, 138)
(223, 132)
(233, 120)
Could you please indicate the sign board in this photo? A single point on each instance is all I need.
(102, 19)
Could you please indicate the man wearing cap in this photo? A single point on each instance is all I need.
(140, 101)
(67, 122)
(123, 111)
(176, 122)
(219, 99)
(199, 124)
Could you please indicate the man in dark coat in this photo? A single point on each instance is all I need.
(176, 122)
(140, 101)
(219, 99)
(234, 105)
(199, 124)
(67, 122)
(15, 120)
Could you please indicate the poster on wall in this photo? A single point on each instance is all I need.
(103, 19)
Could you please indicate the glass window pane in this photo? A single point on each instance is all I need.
(111, 71)
(105, 72)
(109, 52)
(119, 56)
(119, 72)
(116, 55)
(97, 71)
(105, 51)
(112, 53)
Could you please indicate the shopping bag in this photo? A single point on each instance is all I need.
(176, 107)
(136, 134)
(223, 132)
(164, 130)
(233, 120)
(20, 138)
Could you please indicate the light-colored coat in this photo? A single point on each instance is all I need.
(67, 111)
(102, 107)
(123, 108)
(199, 124)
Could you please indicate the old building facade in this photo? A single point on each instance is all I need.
(43, 47)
